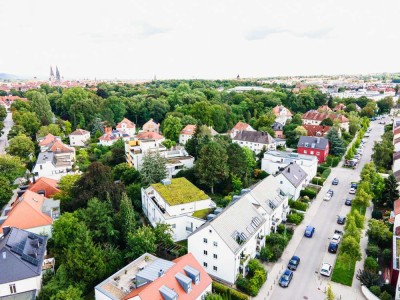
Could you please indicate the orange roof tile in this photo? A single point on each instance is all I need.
(277, 109)
(396, 130)
(315, 115)
(241, 126)
(189, 129)
(316, 130)
(129, 124)
(49, 186)
(79, 132)
(47, 140)
(149, 136)
(58, 146)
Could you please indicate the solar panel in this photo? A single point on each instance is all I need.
(30, 259)
(19, 248)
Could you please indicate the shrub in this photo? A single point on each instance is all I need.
(254, 280)
(309, 192)
(326, 173)
(373, 250)
(298, 205)
(321, 168)
(318, 180)
(295, 218)
(387, 256)
(391, 290)
(371, 264)
(221, 289)
(375, 289)
(385, 296)
(376, 214)
(332, 160)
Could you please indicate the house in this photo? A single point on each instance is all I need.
(317, 130)
(46, 141)
(316, 146)
(255, 140)
(239, 127)
(226, 243)
(6, 101)
(313, 117)
(186, 134)
(292, 180)
(46, 187)
(282, 114)
(126, 126)
(177, 160)
(32, 212)
(324, 109)
(110, 136)
(274, 161)
(151, 126)
(278, 129)
(79, 138)
(22, 263)
(339, 106)
(51, 165)
(175, 202)
(150, 135)
(152, 278)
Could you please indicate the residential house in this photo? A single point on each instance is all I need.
(110, 136)
(339, 107)
(22, 263)
(126, 126)
(151, 126)
(46, 187)
(314, 117)
(152, 278)
(255, 140)
(186, 134)
(274, 161)
(282, 114)
(278, 129)
(177, 160)
(49, 164)
(292, 179)
(240, 127)
(32, 212)
(227, 242)
(316, 146)
(6, 101)
(175, 202)
(46, 141)
(324, 109)
(317, 130)
(79, 138)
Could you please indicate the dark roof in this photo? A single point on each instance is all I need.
(313, 142)
(277, 126)
(294, 174)
(260, 137)
(397, 175)
(21, 255)
(396, 155)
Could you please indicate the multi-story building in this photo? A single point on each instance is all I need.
(151, 126)
(282, 114)
(255, 140)
(239, 127)
(186, 134)
(316, 146)
(127, 126)
(314, 117)
(79, 138)
(292, 179)
(175, 202)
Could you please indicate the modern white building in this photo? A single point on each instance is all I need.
(79, 138)
(273, 161)
(255, 140)
(48, 164)
(175, 202)
(239, 127)
(292, 179)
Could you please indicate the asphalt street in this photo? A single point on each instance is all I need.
(8, 122)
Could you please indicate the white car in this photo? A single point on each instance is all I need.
(352, 191)
(328, 196)
(336, 238)
(326, 270)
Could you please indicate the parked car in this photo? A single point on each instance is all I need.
(294, 263)
(341, 220)
(285, 279)
(357, 156)
(348, 202)
(326, 270)
(354, 185)
(336, 238)
(352, 191)
(330, 191)
(360, 151)
(327, 196)
(335, 181)
(309, 232)
(332, 248)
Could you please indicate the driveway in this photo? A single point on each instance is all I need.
(307, 283)
(8, 123)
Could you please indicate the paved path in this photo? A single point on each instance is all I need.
(307, 283)
(8, 123)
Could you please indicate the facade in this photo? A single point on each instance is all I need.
(239, 127)
(255, 140)
(318, 147)
(152, 278)
(273, 161)
(292, 179)
(174, 202)
(50, 165)
(278, 129)
(314, 117)
(127, 126)
(21, 263)
(317, 130)
(151, 126)
(186, 134)
(110, 136)
(282, 114)
(79, 138)
(46, 141)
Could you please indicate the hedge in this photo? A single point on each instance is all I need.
(295, 218)
(321, 168)
(310, 193)
(221, 289)
(298, 205)
(326, 173)
(318, 180)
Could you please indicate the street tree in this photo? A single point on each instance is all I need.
(362, 198)
(390, 192)
(329, 293)
(28, 120)
(351, 247)
(21, 146)
(6, 191)
(54, 129)
(11, 167)
(153, 168)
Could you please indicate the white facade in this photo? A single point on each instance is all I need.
(256, 147)
(21, 286)
(183, 138)
(79, 140)
(275, 160)
(47, 167)
(288, 188)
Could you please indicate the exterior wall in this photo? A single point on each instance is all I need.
(279, 134)
(25, 285)
(107, 143)
(49, 170)
(205, 292)
(289, 189)
(320, 154)
(256, 147)
(344, 125)
(42, 230)
(282, 118)
(183, 138)
(79, 140)
(130, 131)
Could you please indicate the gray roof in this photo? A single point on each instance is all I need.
(277, 126)
(150, 272)
(290, 156)
(313, 142)
(44, 157)
(260, 137)
(21, 255)
(294, 174)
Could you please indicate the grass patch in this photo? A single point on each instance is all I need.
(343, 271)
(203, 213)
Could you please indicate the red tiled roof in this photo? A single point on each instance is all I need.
(80, 132)
(58, 146)
(315, 115)
(396, 141)
(277, 109)
(49, 186)
(396, 205)
(316, 130)
(149, 136)
(240, 126)
(324, 108)
(150, 123)
(47, 140)
(129, 124)
(151, 291)
(189, 129)
(340, 106)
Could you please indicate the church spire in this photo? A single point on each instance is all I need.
(51, 73)
(58, 77)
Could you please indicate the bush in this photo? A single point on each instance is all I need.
(387, 256)
(391, 290)
(332, 161)
(221, 289)
(375, 289)
(371, 264)
(385, 296)
(373, 250)
(318, 180)
(295, 218)
(309, 192)
(298, 205)
(326, 173)
(254, 280)
(322, 168)
(376, 214)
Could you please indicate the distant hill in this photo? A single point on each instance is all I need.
(6, 76)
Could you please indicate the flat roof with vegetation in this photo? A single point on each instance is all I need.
(180, 191)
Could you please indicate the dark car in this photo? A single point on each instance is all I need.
(330, 191)
(341, 220)
(353, 185)
(335, 181)
(285, 279)
(348, 202)
(333, 247)
(309, 232)
(294, 263)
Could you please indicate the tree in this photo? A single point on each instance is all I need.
(211, 166)
(326, 122)
(71, 292)
(66, 184)
(21, 146)
(172, 127)
(163, 233)
(126, 173)
(127, 218)
(385, 104)
(236, 160)
(54, 129)
(351, 227)
(140, 242)
(336, 144)
(390, 192)
(16, 130)
(11, 167)
(153, 168)
(28, 120)
(367, 277)
(41, 106)
(6, 191)
(379, 233)
(351, 247)
(383, 154)
(214, 297)
(168, 143)
(300, 131)
(362, 198)
(371, 264)
(385, 296)
(329, 293)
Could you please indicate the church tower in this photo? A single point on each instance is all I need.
(51, 74)
(58, 77)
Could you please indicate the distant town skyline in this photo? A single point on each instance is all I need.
(198, 39)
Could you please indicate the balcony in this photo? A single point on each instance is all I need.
(189, 229)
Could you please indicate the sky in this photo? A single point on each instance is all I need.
(209, 39)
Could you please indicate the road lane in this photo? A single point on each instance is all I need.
(8, 123)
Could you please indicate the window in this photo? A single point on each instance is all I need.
(215, 268)
(317, 152)
(205, 252)
(305, 151)
(215, 256)
(205, 240)
(173, 225)
(13, 289)
(205, 264)
(210, 231)
(311, 152)
(215, 244)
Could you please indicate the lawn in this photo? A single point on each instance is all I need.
(343, 271)
(203, 213)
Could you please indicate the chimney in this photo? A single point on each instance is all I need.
(318, 139)
(160, 273)
(6, 230)
(288, 170)
(107, 129)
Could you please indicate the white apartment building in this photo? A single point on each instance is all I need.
(255, 140)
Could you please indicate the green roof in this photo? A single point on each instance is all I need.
(180, 191)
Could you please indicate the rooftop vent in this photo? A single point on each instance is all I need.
(4, 254)
(160, 273)
(6, 230)
(166, 181)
